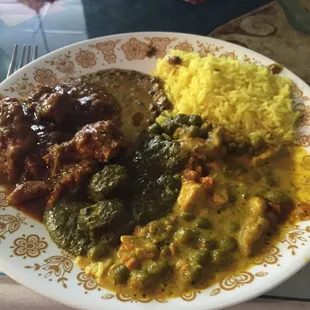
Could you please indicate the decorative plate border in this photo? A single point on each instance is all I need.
(30, 257)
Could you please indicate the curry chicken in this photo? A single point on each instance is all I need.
(150, 208)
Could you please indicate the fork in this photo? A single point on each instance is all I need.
(24, 59)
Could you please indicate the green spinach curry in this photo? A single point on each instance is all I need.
(148, 208)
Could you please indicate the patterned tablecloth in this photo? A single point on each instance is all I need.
(267, 31)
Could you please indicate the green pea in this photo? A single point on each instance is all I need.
(169, 126)
(229, 244)
(158, 269)
(202, 256)
(203, 133)
(187, 216)
(195, 120)
(139, 279)
(166, 137)
(182, 119)
(234, 227)
(184, 235)
(155, 129)
(120, 274)
(205, 129)
(208, 242)
(203, 222)
(193, 131)
(276, 196)
(266, 176)
(219, 257)
(193, 275)
(98, 252)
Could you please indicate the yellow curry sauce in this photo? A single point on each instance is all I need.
(213, 253)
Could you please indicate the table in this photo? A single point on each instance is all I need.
(257, 24)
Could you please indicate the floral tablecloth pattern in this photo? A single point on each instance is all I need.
(267, 31)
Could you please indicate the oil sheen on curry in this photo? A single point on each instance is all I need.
(149, 208)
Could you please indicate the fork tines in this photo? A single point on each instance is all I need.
(25, 57)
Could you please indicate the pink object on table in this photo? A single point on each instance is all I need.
(194, 1)
(14, 12)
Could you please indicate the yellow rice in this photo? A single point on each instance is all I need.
(244, 98)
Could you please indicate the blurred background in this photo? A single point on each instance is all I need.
(274, 28)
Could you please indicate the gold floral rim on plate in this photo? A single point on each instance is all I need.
(29, 255)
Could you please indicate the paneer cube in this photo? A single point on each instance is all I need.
(255, 226)
(192, 196)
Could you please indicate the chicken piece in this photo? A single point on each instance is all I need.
(35, 167)
(55, 105)
(252, 230)
(257, 205)
(192, 196)
(27, 191)
(48, 135)
(270, 153)
(83, 102)
(69, 178)
(99, 141)
(255, 225)
(16, 139)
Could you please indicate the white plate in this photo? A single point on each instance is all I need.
(29, 256)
